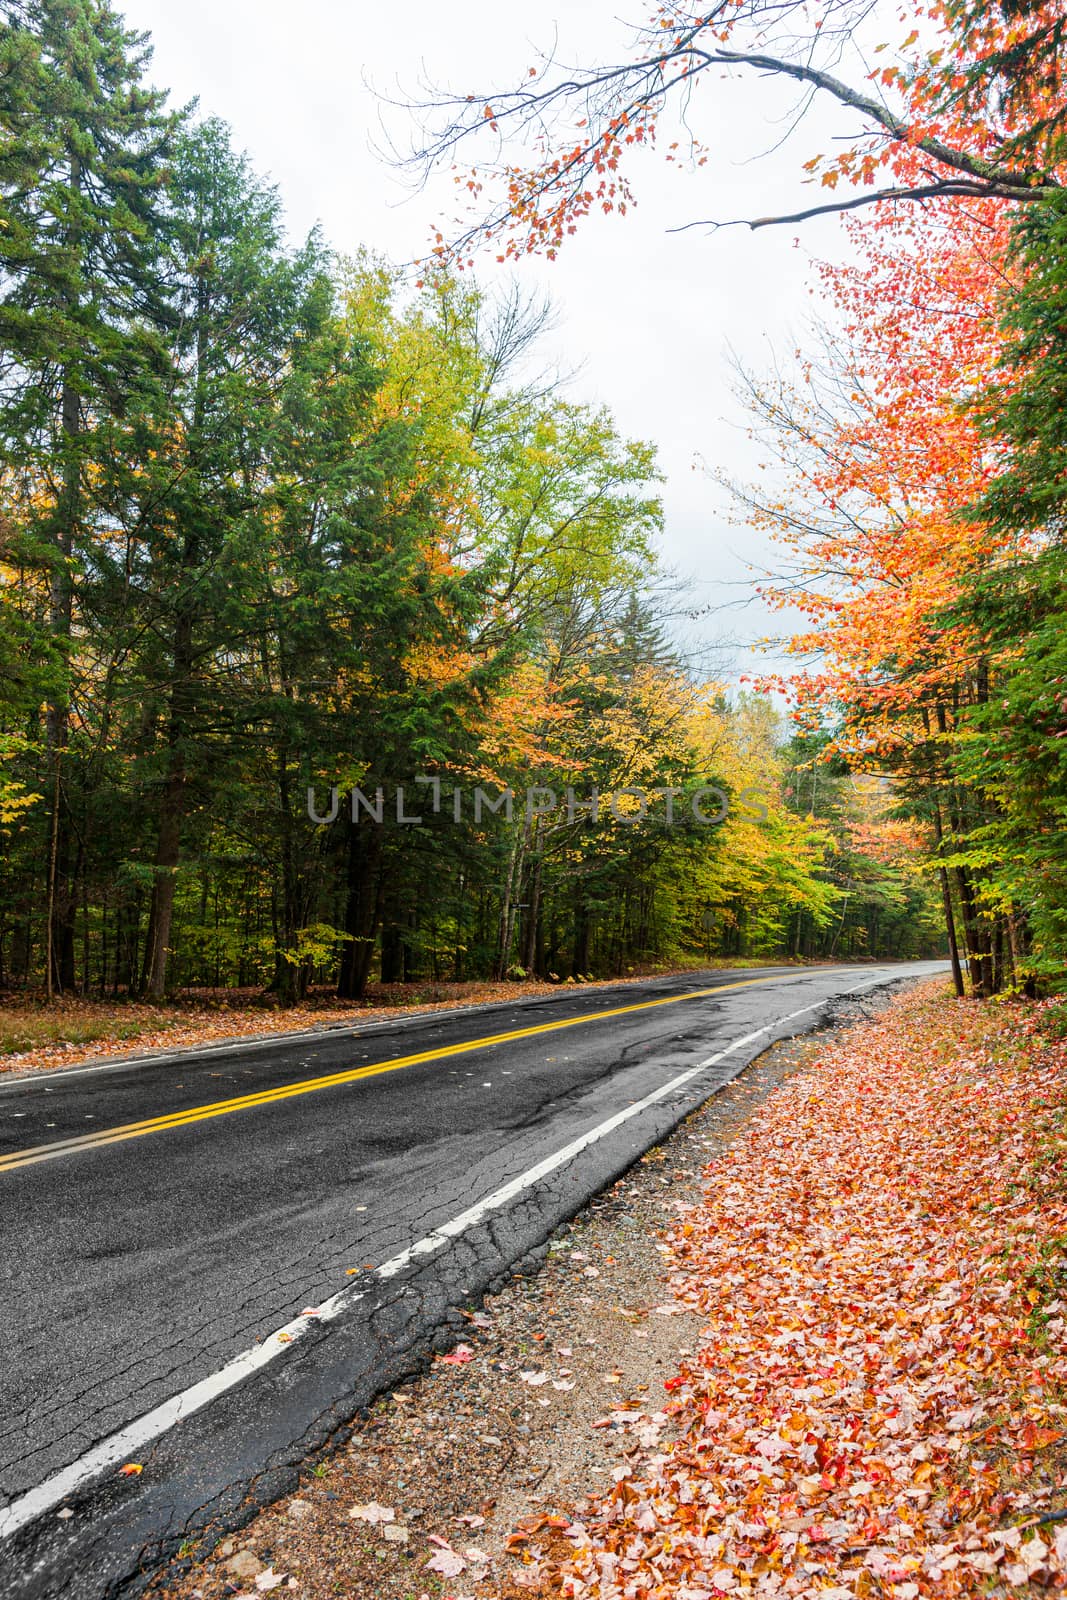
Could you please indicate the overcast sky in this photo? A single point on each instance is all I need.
(646, 316)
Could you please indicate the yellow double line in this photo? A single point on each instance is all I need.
(334, 1080)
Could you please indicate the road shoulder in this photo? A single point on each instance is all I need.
(590, 1322)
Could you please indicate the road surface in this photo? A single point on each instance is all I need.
(213, 1259)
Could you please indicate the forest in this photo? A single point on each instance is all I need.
(278, 522)
(917, 434)
(355, 722)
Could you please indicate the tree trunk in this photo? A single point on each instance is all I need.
(950, 925)
(62, 898)
(169, 838)
(161, 914)
(976, 935)
(971, 932)
(172, 807)
(531, 941)
(291, 979)
(507, 906)
(580, 963)
(363, 910)
(946, 899)
(392, 947)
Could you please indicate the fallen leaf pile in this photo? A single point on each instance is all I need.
(876, 1406)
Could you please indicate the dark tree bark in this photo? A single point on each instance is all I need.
(363, 908)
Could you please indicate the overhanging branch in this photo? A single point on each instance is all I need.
(929, 191)
(989, 172)
(610, 97)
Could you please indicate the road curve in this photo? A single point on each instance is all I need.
(213, 1259)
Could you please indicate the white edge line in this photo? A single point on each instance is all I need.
(124, 1445)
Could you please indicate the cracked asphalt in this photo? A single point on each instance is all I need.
(132, 1270)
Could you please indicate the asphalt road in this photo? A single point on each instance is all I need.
(179, 1233)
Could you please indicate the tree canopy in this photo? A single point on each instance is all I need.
(335, 647)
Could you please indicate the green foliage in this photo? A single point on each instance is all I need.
(1025, 413)
(884, 900)
(1013, 753)
(1021, 75)
(270, 521)
(15, 798)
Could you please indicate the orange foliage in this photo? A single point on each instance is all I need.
(888, 467)
(931, 121)
(885, 458)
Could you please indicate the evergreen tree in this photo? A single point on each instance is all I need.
(1012, 752)
(80, 177)
(239, 301)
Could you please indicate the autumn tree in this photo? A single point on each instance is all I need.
(888, 508)
(1013, 752)
(957, 121)
(315, 528)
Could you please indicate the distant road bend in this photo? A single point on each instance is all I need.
(214, 1259)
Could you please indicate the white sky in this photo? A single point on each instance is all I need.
(645, 316)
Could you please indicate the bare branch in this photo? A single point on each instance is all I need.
(929, 191)
(596, 103)
(991, 172)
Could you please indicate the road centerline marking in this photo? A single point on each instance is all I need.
(56, 1149)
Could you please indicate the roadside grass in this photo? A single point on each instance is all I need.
(24, 1028)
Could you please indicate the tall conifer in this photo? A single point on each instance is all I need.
(81, 169)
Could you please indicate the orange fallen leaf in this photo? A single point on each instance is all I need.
(855, 1267)
(1035, 1438)
(457, 1357)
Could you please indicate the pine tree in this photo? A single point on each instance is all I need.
(1016, 71)
(85, 142)
(240, 301)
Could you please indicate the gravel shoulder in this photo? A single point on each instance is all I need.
(521, 1414)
